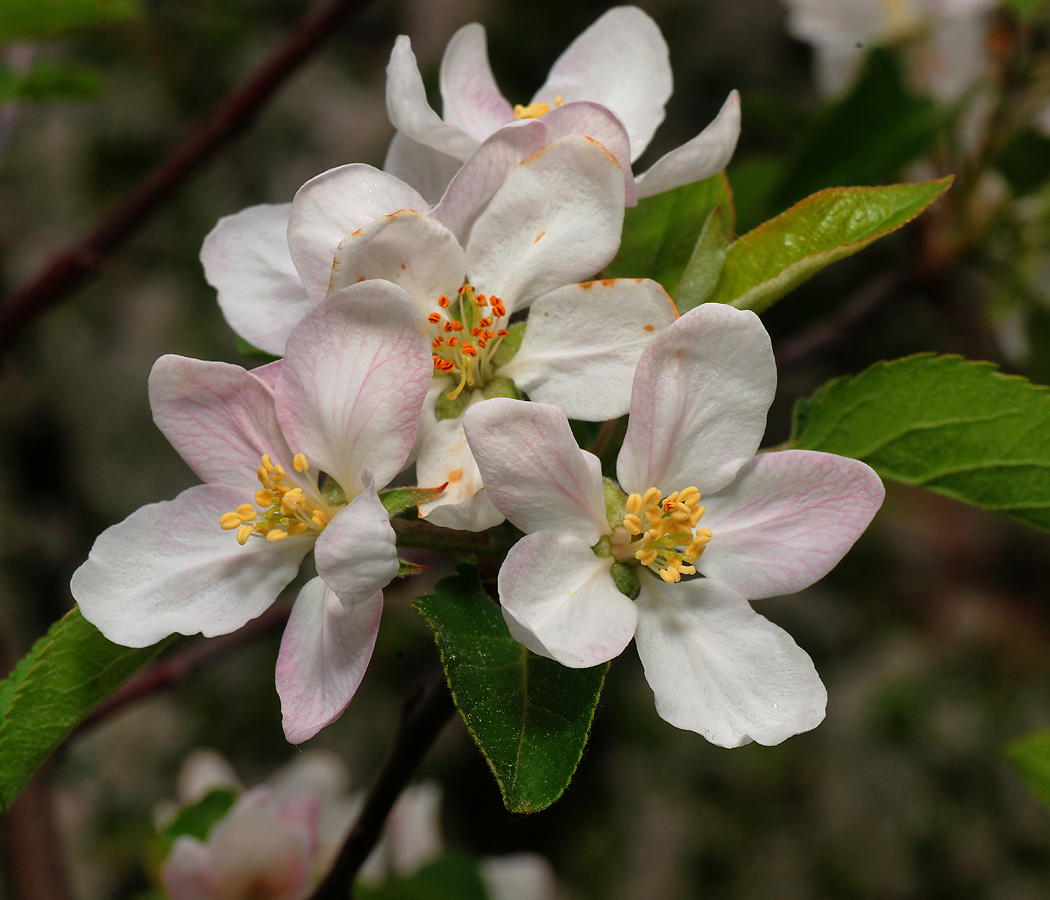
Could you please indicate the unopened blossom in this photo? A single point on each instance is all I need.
(523, 223)
(292, 456)
(698, 502)
(947, 37)
(620, 62)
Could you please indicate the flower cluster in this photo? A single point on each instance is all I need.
(449, 314)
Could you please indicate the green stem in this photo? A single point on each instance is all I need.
(415, 533)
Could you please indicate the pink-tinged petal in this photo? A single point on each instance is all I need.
(469, 96)
(699, 402)
(324, 652)
(412, 835)
(600, 124)
(786, 520)
(445, 458)
(408, 249)
(169, 568)
(356, 554)
(427, 170)
(703, 156)
(219, 417)
(353, 383)
(246, 259)
(268, 373)
(582, 344)
(337, 203)
(720, 669)
(533, 470)
(560, 601)
(484, 173)
(622, 62)
(255, 853)
(186, 873)
(410, 113)
(555, 221)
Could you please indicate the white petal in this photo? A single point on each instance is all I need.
(622, 62)
(703, 156)
(484, 173)
(555, 221)
(786, 520)
(169, 568)
(337, 203)
(533, 470)
(560, 600)
(186, 873)
(412, 835)
(718, 668)
(582, 344)
(353, 383)
(324, 652)
(469, 96)
(408, 249)
(356, 554)
(518, 876)
(699, 402)
(427, 170)
(219, 417)
(246, 259)
(445, 458)
(409, 112)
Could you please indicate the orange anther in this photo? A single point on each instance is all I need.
(448, 326)
(482, 343)
(434, 318)
(475, 331)
(481, 300)
(462, 289)
(468, 350)
(437, 342)
(486, 322)
(457, 326)
(502, 332)
(444, 302)
(452, 341)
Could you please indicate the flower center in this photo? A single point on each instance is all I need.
(469, 331)
(281, 508)
(670, 541)
(534, 110)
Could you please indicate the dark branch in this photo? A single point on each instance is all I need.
(175, 667)
(423, 715)
(230, 118)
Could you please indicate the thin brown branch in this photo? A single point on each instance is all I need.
(231, 117)
(32, 853)
(423, 716)
(421, 534)
(175, 667)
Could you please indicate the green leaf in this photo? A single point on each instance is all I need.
(660, 233)
(252, 352)
(951, 426)
(705, 267)
(397, 500)
(196, 819)
(867, 137)
(452, 876)
(26, 19)
(765, 264)
(50, 81)
(529, 715)
(1025, 161)
(1026, 9)
(68, 673)
(1030, 755)
(509, 346)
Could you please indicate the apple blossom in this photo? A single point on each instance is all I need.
(950, 53)
(620, 62)
(772, 524)
(345, 402)
(523, 222)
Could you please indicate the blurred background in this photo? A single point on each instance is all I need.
(933, 636)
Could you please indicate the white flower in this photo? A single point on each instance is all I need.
(773, 524)
(523, 222)
(345, 401)
(620, 62)
(948, 58)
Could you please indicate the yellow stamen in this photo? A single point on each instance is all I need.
(275, 534)
(668, 545)
(532, 111)
(299, 461)
(243, 533)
